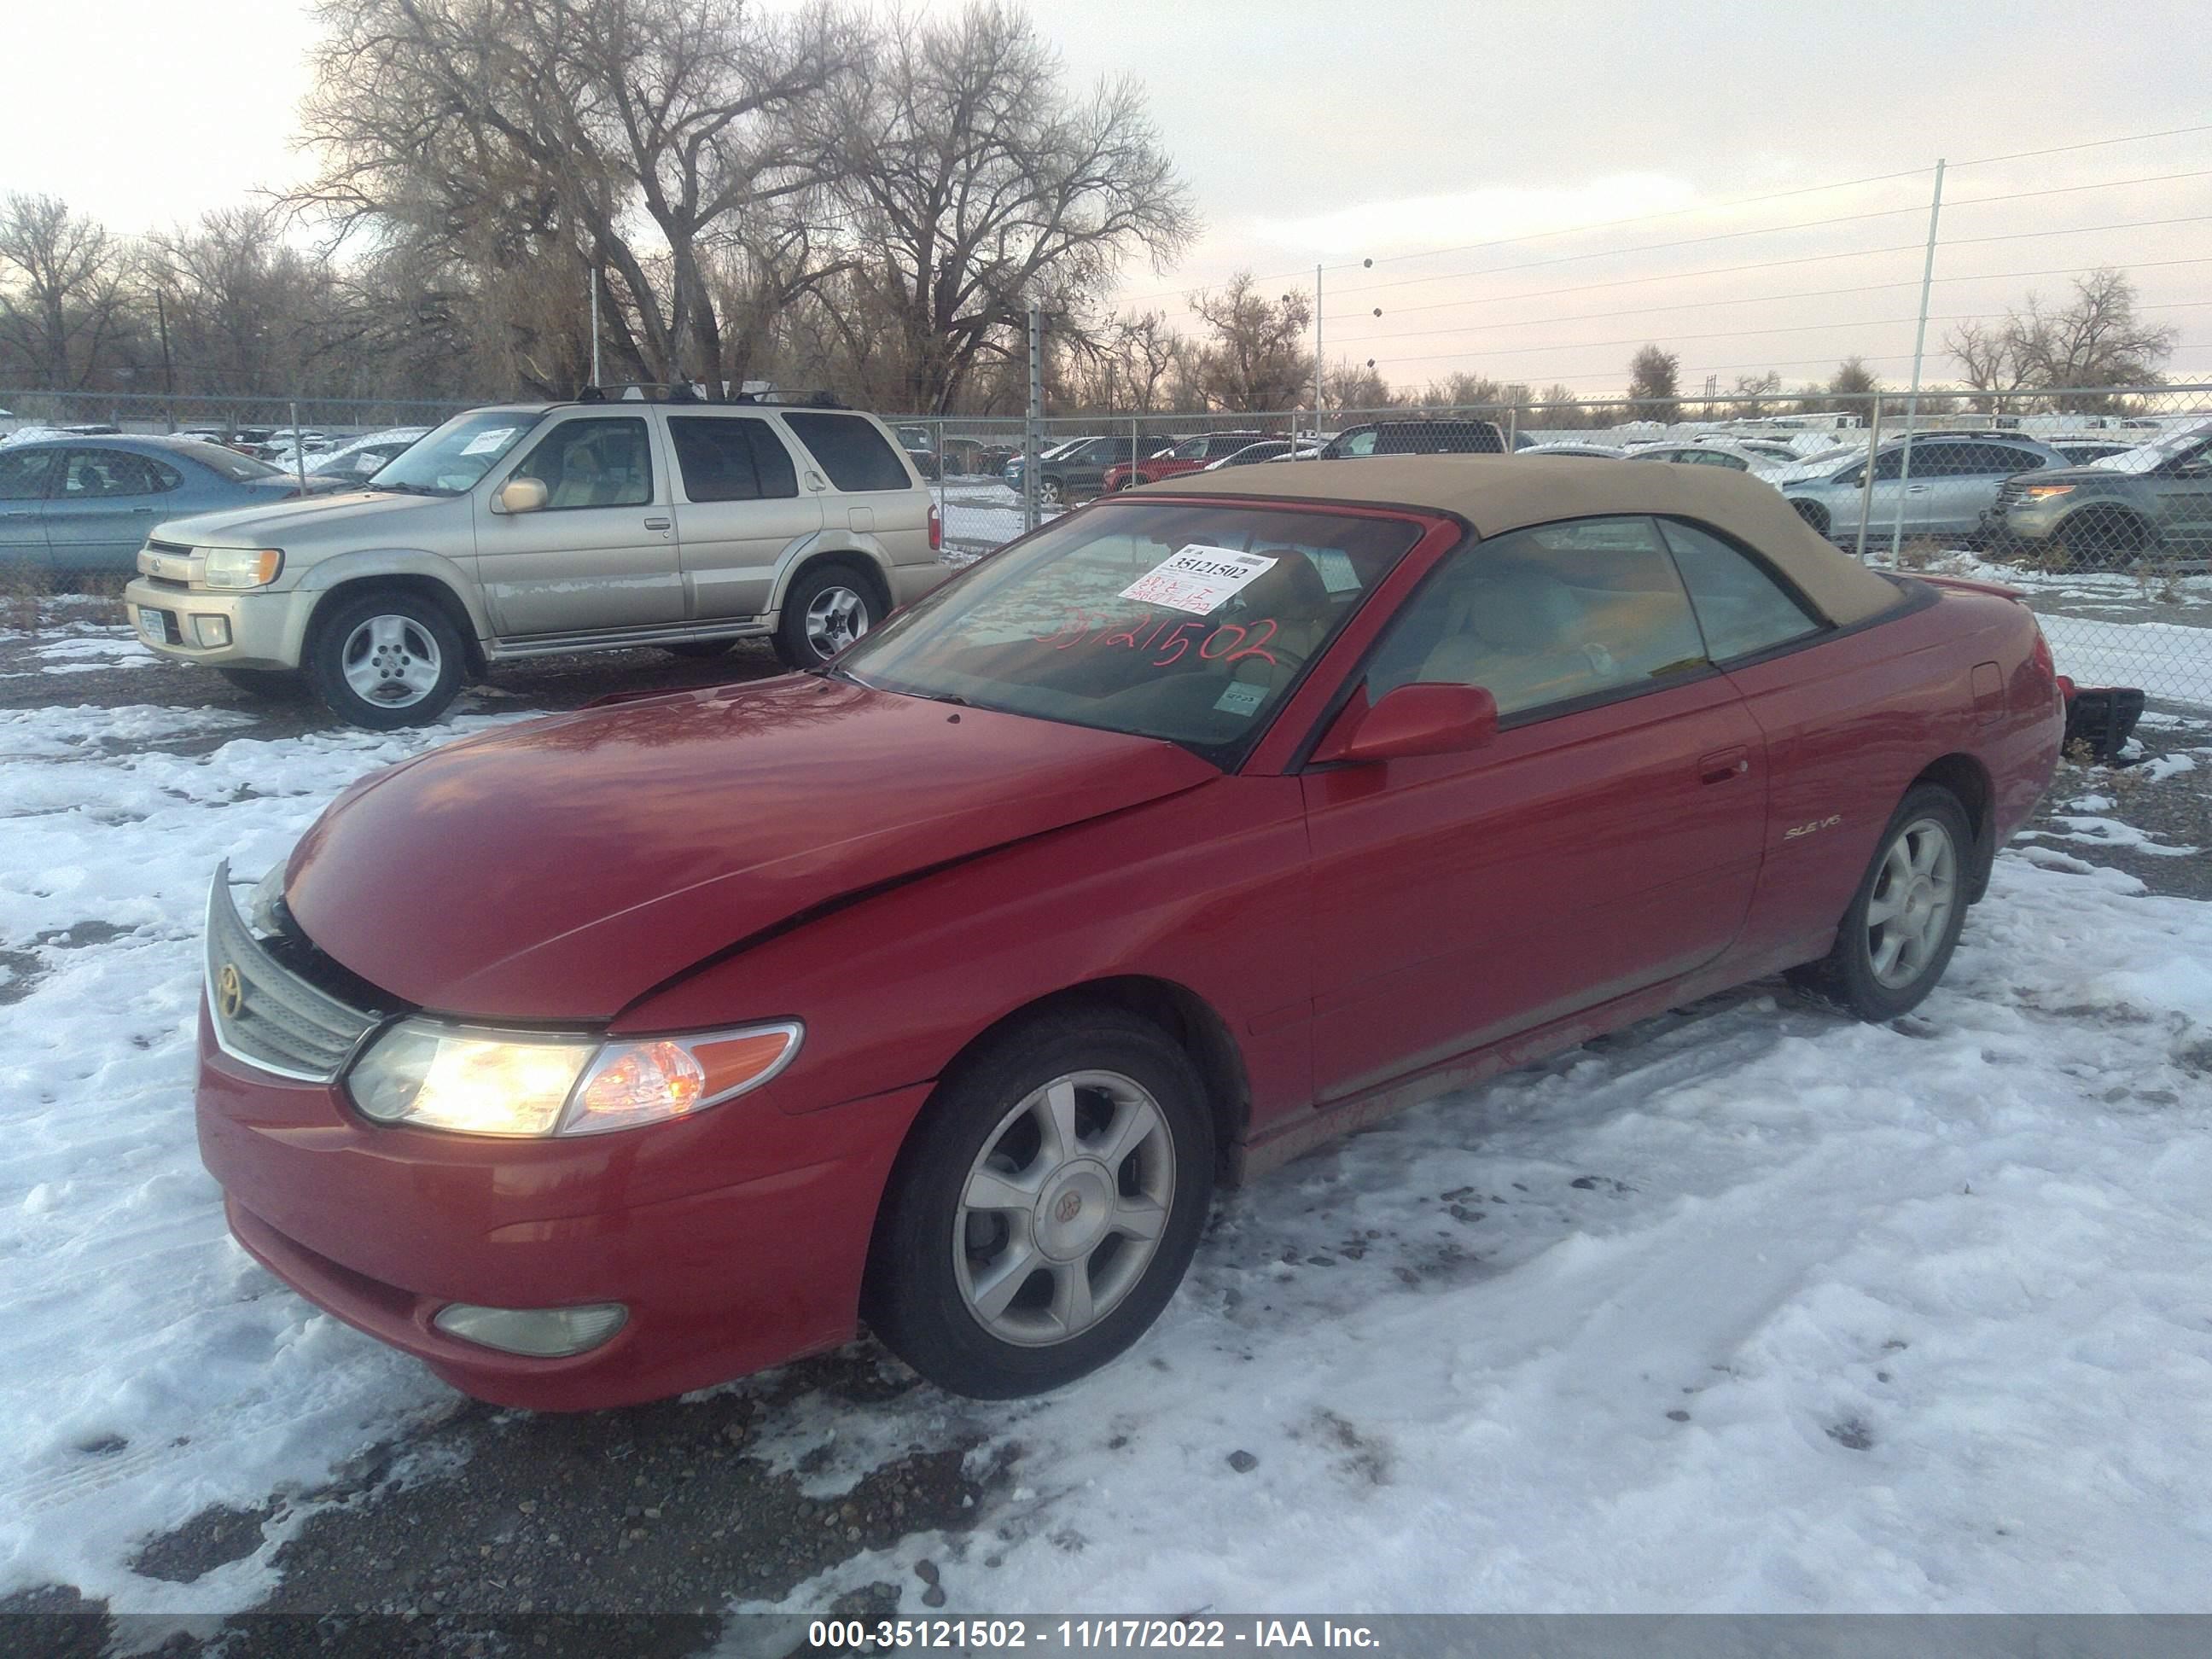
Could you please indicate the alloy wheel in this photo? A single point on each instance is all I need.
(836, 616)
(1063, 1208)
(391, 661)
(1910, 909)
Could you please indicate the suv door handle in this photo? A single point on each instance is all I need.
(1723, 764)
(656, 524)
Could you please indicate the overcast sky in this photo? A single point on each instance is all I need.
(1404, 131)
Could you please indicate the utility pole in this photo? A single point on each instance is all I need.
(595, 322)
(1036, 414)
(1919, 341)
(1317, 361)
(168, 371)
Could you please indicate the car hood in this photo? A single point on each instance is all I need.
(2074, 475)
(349, 510)
(560, 869)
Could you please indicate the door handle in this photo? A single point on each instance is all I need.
(1723, 764)
(1916, 489)
(147, 511)
(656, 524)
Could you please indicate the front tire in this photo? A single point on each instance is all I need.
(1051, 492)
(2103, 538)
(1903, 922)
(1045, 1208)
(386, 659)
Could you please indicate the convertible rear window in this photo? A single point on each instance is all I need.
(1186, 623)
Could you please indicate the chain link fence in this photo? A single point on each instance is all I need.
(2095, 503)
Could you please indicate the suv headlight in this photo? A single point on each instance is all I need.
(432, 1075)
(240, 567)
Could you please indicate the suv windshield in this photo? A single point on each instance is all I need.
(454, 457)
(1190, 624)
(2149, 456)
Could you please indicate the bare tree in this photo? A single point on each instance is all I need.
(62, 290)
(974, 186)
(1351, 384)
(1654, 377)
(1752, 393)
(1253, 355)
(2098, 340)
(642, 131)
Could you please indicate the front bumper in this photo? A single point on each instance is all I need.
(734, 1244)
(250, 629)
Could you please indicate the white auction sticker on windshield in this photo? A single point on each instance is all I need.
(1199, 579)
(485, 441)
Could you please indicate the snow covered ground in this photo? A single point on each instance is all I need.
(1748, 1308)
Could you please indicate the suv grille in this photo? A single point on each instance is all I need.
(263, 1012)
(2007, 496)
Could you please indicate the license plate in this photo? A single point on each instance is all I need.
(160, 626)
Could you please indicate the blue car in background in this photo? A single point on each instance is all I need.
(80, 504)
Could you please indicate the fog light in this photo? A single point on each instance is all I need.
(212, 631)
(539, 1332)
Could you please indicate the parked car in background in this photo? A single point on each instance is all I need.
(1439, 437)
(1592, 451)
(1078, 472)
(2153, 501)
(1729, 453)
(85, 504)
(1956, 480)
(1268, 449)
(1190, 454)
(919, 443)
(613, 1054)
(1012, 472)
(2082, 450)
(522, 531)
(365, 456)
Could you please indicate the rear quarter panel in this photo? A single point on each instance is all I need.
(1852, 722)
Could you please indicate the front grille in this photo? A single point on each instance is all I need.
(2007, 497)
(265, 1013)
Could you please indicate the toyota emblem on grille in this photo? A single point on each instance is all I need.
(230, 992)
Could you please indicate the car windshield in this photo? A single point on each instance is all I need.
(229, 462)
(1190, 624)
(2149, 456)
(455, 455)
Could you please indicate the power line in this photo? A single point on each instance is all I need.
(1802, 259)
(1738, 333)
(1715, 207)
(1743, 299)
(1774, 230)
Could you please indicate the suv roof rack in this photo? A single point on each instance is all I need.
(685, 391)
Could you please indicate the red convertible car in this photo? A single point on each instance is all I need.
(619, 1053)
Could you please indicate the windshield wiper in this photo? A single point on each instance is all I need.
(411, 489)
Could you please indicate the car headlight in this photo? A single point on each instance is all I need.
(2049, 489)
(432, 1075)
(240, 567)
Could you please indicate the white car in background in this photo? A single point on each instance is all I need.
(365, 456)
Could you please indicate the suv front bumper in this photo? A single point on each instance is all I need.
(250, 629)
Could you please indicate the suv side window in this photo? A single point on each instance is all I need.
(602, 461)
(850, 450)
(2007, 460)
(1742, 607)
(1548, 615)
(1887, 464)
(723, 458)
(1360, 443)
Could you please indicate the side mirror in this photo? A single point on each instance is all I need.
(520, 496)
(1413, 719)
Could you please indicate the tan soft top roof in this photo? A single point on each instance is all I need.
(1499, 493)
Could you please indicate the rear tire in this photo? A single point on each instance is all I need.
(825, 609)
(269, 684)
(1903, 922)
(386, 659)
(1045, 1207)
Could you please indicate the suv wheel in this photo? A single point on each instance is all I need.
(386, 659)
(1051, 492)
(827, 609)
(2103, 538)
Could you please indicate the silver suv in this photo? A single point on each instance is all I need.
(524, 531)
(1956, 480)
